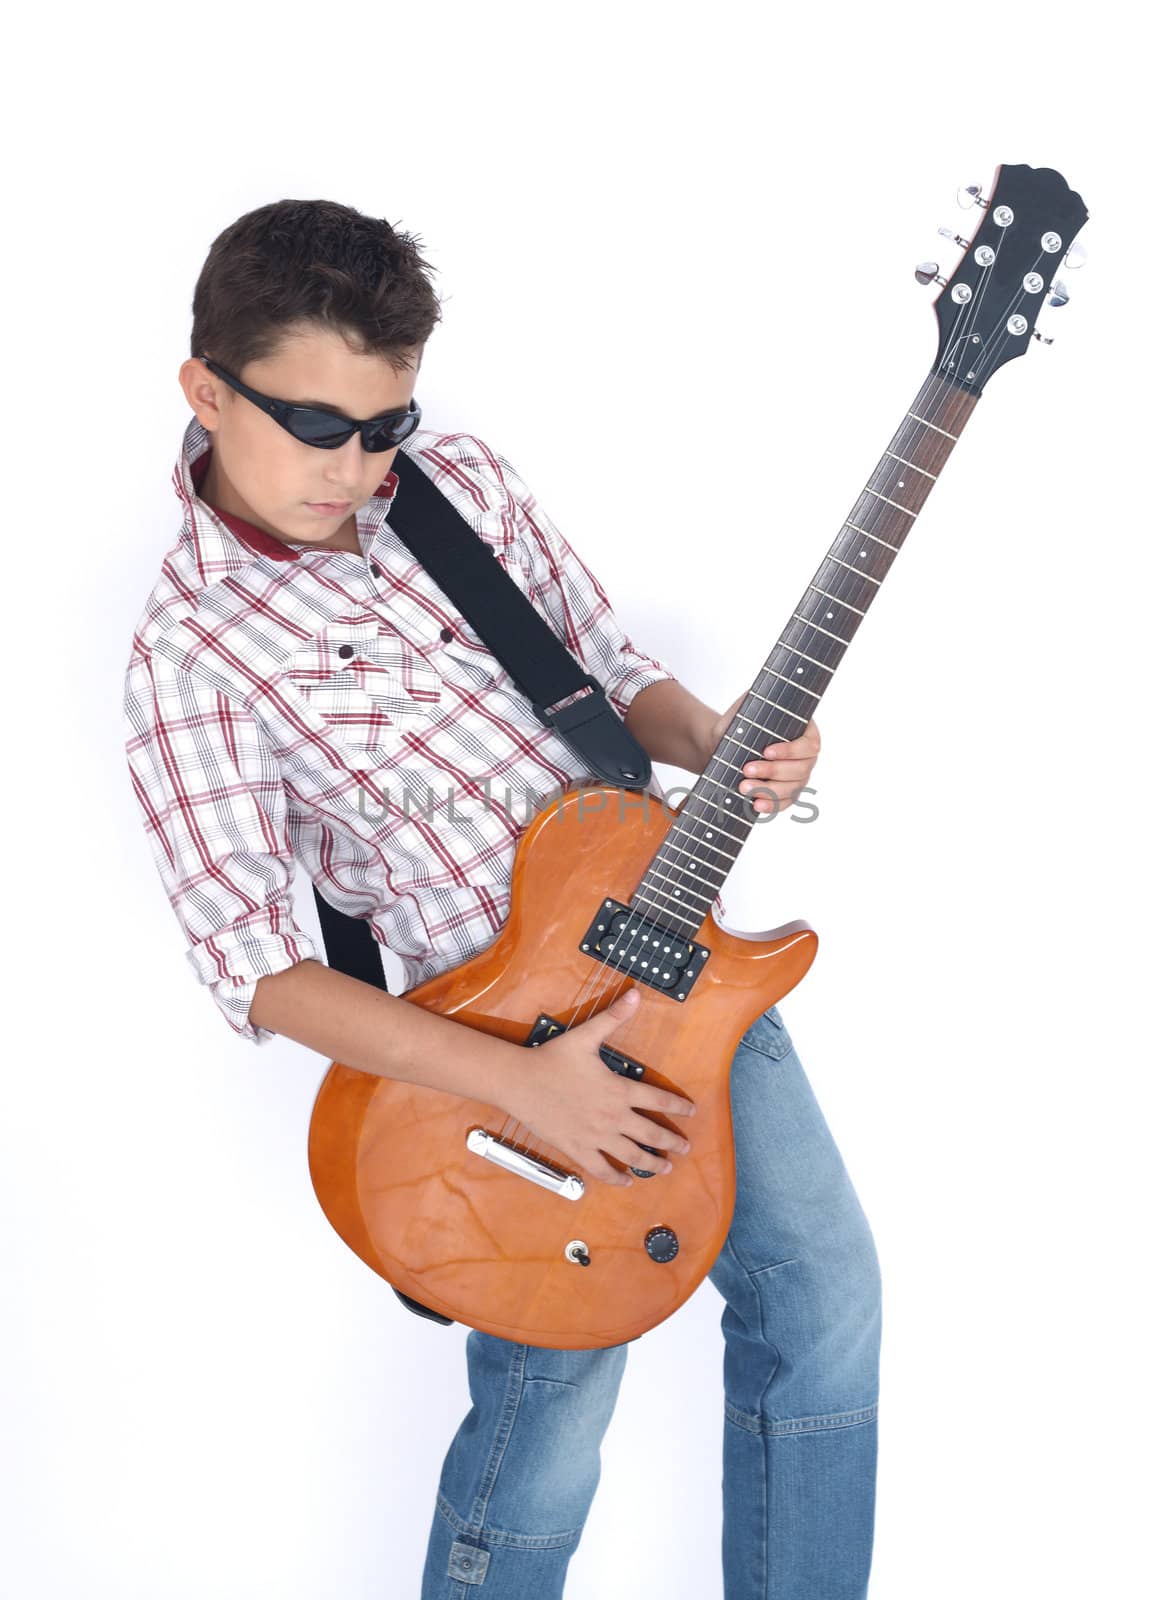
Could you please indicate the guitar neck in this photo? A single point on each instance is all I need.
(715, 820)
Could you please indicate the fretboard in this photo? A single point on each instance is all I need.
(715, 820)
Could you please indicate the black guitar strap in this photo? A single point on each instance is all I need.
(463, 566)
(514, 631)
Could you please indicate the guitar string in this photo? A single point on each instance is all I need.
(640, 923)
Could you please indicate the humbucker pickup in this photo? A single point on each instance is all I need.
(627, 941)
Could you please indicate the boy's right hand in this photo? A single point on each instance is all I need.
(570, 1098)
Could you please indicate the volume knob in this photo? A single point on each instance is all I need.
(662, 1244)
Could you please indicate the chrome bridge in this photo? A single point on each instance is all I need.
(481, 1143)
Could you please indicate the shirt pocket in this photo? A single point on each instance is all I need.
(365, 685)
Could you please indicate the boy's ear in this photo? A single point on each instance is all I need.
(198, 384)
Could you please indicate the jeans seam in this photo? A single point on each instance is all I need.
(794, 1425)
(769, 1055)
(507, 1421)
(760, 1316)
(501, 1537)
(771, 1266)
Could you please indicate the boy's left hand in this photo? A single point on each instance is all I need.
(784, 765)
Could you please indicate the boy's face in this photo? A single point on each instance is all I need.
(258, 471)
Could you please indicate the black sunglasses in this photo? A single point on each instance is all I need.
(326, 429)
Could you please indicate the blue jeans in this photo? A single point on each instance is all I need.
(801, 1328)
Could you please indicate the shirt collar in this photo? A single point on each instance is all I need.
(222, 543)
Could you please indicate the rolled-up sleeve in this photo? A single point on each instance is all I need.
(576, 605)
(213, 804)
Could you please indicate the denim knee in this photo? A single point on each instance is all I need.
(802, 1338)
(525, 1464)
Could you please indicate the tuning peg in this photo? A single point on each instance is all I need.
(968, 195)
(1058, 294)
(1075, 256)
(927, 272)
(949, 233)
(1043, 338)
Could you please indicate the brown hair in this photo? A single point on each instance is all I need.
(315, 261)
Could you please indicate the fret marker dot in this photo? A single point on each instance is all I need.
(710, 835)
(901, 484)
(800, 669)
(863, 552)
(828, 616)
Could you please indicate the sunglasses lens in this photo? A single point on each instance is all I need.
(386, 435)
(328, 432)
(319, 428)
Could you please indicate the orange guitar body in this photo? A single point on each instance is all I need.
(481, 1244)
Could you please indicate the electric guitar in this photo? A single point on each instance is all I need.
(448, 1199)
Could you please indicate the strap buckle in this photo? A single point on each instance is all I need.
(583, 709)
(610, 747)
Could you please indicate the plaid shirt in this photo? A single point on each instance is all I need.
(289, 703)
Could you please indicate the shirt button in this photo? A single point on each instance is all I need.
(345, 651)
(375, 569)
(446, 635)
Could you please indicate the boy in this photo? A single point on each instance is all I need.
(295, 680)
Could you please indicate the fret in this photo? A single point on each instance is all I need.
(749, 750)
(804, 655)
(655, 895)
(870, 534)
(822, 678)
(675, 894)
(828, 632)
(904, 509)
(827, 612)
(838, 599)
(893, 481)
(933, 425)
(737, 766)
(835, 654)
(932, 476)
(736, 816)
(739, 744)
(711, 883)
(931, 449)
(714, 822)
(854, 543)
(711, 824)
(785, 711)
(658, 901)
(794, 684)
(769, 731)
(858, 570)
(669, 844)
(707, 829)
(727, 796)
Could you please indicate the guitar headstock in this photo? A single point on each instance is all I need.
(987, 310)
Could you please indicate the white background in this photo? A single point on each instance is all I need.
(676, 248)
